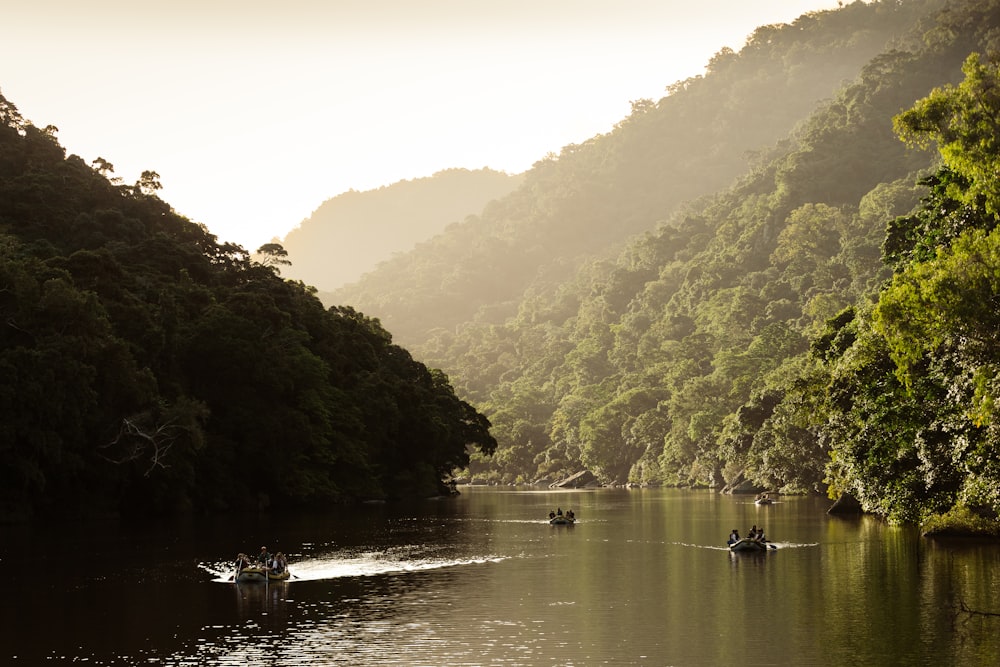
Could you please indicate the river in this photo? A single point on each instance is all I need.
(643, 578)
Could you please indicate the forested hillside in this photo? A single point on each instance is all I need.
(739, 341)
(824, 324)
(351, 233)
(146, 367)
(590, 198)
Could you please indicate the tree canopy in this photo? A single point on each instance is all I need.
(148, 367)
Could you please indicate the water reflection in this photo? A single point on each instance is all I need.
(258, 600)
(749, 558)
(644, 578)
(367, 620)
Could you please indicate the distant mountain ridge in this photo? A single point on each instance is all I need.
(591, 198)
(348, 235)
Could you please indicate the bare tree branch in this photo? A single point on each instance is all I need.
(136, 441)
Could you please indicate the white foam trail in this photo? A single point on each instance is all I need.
(368, 565)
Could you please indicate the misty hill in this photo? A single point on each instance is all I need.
(351, 233)
(146, 367)
(592, 197)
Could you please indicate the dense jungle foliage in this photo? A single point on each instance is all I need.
(147, 367)
(828, 323)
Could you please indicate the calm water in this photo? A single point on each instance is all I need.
(642, 579)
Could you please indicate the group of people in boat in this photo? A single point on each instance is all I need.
(558, 512)
(274, 563)
(756, 534)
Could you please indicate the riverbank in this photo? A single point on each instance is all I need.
(961, 521)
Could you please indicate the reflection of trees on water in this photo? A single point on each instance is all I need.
(969, 623)
(963, 574)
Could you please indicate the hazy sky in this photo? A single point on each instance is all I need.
(254, 113)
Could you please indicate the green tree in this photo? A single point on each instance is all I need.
(962, 121)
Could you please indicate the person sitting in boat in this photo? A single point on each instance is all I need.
(760, 535)
(558, 511)
(734, 536)
(242, 561)
(264, 557)
(753, 533)
(552, 514)
(278, 563)
(570, 514)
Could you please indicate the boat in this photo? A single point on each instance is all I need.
(764, 499)
(254, 573)
(248, 569)
(562, 520)
(746, 544)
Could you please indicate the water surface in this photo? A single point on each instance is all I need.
(643, 578)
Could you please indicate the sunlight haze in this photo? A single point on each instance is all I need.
(255, 113)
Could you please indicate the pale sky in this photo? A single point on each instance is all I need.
(254, 113)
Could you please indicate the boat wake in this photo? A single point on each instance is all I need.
(364, 565)
(725, 547)
(369, 565)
